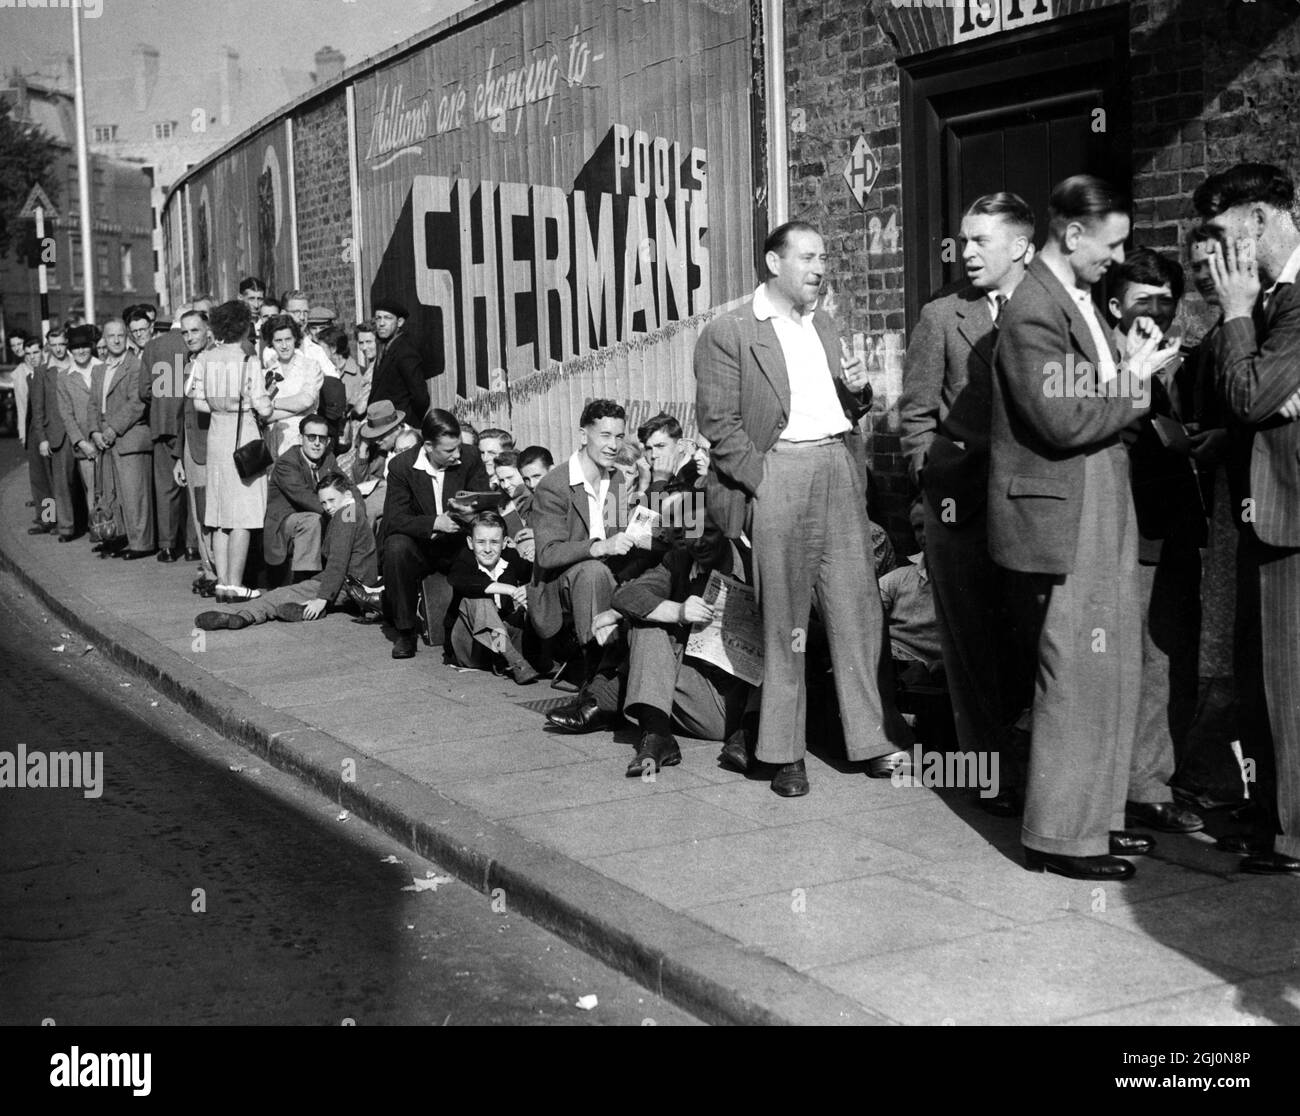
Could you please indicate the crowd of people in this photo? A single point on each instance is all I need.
(1071, 460)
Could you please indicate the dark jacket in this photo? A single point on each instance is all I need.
(742, 403)
(947, 403)
(162, 383)
(670, 580)
(1039, 438)
(399, 376)
(470, 582)
(348, 548)
(292, 488)
(409, 504)
(124, 411)
(47, 420)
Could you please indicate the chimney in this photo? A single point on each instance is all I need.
(229, 82)
(329, 64)
(145, 59)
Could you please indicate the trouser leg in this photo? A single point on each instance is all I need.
(406, 563)
(169, 497)
(63, 470)
(303, 532)
(586, 589)
(135, 498)
(1280, 605)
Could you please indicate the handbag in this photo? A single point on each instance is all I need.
(253, 459)
(106, 522)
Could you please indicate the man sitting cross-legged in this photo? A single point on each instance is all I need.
(666, 690)
(491, 629)
(348, 551)
(293, 510)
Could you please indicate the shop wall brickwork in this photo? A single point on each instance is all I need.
(324, 199)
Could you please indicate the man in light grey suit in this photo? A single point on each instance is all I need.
(945, 413)
(1258, 370)
(118, 426)
(1061, 511)
(776, 393)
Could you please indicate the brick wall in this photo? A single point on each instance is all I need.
(324, 200)
(1212, 84)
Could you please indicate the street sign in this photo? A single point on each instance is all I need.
(861, 170)
(38, 199)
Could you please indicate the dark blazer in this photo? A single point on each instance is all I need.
(47, 419)
(163, 366)
(1040, 438)
(290, 489)
(947, 402)
(742, 403)
(410, 507)
(399, 376)
(124, 412)
(1258, 369)
(469, 581)
(347, 548)
(670, 580)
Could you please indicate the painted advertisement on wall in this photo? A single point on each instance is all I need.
(560, 193)
(240, 216)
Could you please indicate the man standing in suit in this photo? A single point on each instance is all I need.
(399, 372)
(162, 383)
(53, 444)
(945, 413)
(39, 476)
(295, 516)
(420, 537)
(118, 425)
(776, 394)
(1060, 511)
(1258, 368)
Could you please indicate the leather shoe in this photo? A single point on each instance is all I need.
(191, 555)
(41, 529)
(404, 646)
(582, 715)
(791, 780)
(883, 767)
(135, 555)
(1079, 867)
(1162, 816)
(737, 754)
(656, 750)
(1271, 864)
(1245, 844)
(1007, 803)
(167, 554)
(216, 621)
(369, 600)
(1126, 843)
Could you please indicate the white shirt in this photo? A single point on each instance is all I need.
(595, 496)
(494, 574)
(993, 297)
(1290, 270)
(423, 463)
(1107, 370)
(311, 349)
(815, 408)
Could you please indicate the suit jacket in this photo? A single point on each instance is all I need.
(124, 411)
(348, 548)
(399, 376)
(1040, 437)
(74, 403)
(292, 488)
(742, 403)
(947, 402)
(1258, 368)
(410, 507)
(163, 364)
(469, 581)
(47, 418)
(670, 580)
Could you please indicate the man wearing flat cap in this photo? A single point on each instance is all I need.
(399, 372)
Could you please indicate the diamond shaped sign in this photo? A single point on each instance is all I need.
(861, 170)
(38, 198)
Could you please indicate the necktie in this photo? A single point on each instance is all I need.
(999, 301)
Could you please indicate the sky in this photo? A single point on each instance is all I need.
(284, 33)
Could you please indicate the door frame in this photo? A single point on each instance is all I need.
(1098, 38)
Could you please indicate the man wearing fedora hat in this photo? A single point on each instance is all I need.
(366, 464)
(399, 373)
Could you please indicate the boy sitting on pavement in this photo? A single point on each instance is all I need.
(491, 630)
(348, 551)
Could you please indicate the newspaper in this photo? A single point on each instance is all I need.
(642, 526)
(733, 641)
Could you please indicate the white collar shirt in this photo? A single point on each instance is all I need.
(595, 496)
(423, 463)
(1107, 369)
(815, 408)
(494, 574)
(1290, 270)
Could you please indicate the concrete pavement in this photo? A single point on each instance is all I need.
(861, 903)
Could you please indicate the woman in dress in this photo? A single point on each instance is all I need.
(293, 381)
(224, 381)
